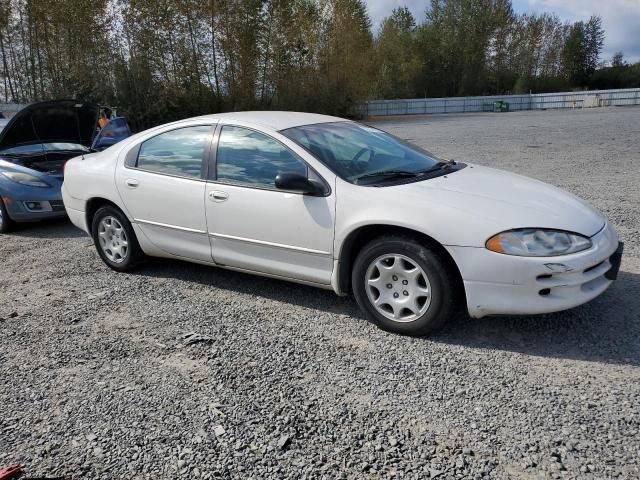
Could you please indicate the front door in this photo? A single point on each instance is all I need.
(163, 189)
(255, 226)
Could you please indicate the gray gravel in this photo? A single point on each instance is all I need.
(182, 371)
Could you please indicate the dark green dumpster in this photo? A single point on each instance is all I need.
(500, 106)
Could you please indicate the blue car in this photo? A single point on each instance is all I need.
(34, 147)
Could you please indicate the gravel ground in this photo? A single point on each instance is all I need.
(288, 381)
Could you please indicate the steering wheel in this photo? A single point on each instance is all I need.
(356, 166)
(361, 152)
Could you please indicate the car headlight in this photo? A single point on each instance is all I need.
(536, 242)
(25, 179)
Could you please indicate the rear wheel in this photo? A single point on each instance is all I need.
(404, 286)
(6, 224)
(115, 239)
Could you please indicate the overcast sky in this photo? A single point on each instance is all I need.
(620, 18)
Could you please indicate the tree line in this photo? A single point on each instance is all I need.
(159, 60)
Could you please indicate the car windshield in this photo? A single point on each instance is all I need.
(361, 154)
(37, 148)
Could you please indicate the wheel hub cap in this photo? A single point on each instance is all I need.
(398, 287)
(113, 239)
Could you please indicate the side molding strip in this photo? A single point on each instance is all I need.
(173, 227)
(269, 244)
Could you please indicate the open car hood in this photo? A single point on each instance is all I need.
(66, 121)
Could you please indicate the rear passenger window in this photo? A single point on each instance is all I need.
(177, 152)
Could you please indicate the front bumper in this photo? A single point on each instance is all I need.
(498, 284)
(26, 203)
(50, 206)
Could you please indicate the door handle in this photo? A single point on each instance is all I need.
(218, 196)
(131, 183)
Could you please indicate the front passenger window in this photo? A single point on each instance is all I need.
(248, 157)
(177, 152)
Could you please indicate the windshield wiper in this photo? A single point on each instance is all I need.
(388, 173)
(441, 165)
(405, 173)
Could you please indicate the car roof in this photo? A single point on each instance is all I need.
(276, 120)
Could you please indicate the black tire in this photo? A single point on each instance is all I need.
(6, 224)
(441, 279)
(133, 256)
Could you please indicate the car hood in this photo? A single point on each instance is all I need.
(488, 201)
(67, 121)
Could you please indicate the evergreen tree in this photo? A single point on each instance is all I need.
(160, 60)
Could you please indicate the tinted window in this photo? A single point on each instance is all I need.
(248, 157)
(178, 152)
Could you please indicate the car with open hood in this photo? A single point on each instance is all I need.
(35, 144)
(343, 206)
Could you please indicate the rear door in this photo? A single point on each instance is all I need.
(163, 188)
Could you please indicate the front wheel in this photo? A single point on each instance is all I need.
(6, 224)
(115, 239)
(403, 286)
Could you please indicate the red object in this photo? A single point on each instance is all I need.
(13, 471)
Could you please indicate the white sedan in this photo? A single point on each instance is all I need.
(340, 205)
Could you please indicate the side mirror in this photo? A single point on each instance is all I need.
(294, 182)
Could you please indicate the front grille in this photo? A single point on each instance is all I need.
(585, 279)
